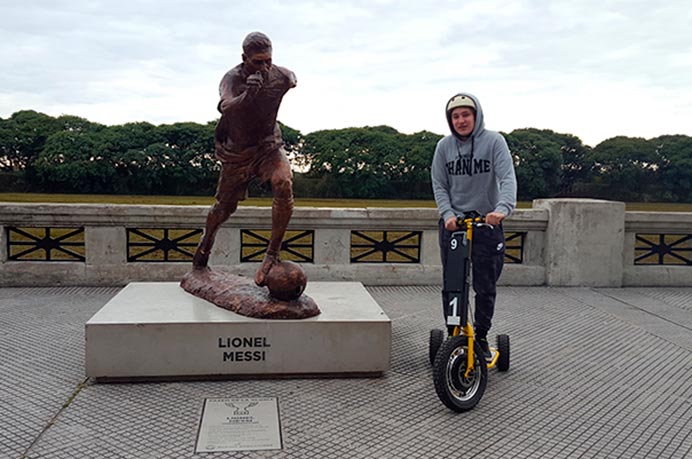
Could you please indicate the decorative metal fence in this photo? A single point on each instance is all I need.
(663, 249)
(45, 244)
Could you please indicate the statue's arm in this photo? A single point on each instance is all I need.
(290, 76)
(233, 93)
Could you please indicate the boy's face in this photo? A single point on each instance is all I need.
(463, 120)
(259, 62)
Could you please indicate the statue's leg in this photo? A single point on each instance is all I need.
(230, 190)
(282, 209)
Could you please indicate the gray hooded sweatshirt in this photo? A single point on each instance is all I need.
(474, 173)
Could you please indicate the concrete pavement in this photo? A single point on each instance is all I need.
(595, 373)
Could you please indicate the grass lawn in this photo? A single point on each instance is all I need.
(302, 202)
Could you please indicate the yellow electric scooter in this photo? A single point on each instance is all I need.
(461, 375)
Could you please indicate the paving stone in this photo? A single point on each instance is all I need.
(595, 373)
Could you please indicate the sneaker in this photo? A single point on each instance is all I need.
(485, 347)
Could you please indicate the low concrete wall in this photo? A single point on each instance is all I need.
(565, 242)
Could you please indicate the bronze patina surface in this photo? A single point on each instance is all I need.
(241, 295)
(249, 145)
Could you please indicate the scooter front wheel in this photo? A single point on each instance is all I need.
(457, 390)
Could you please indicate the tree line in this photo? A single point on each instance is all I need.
(69, 154)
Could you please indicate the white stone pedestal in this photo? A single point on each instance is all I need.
(159, 331)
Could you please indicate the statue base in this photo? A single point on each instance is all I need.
(241, 295)
(157, 331)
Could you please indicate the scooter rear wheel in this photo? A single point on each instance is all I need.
(436, 338)
(503, 349)
(457, 391)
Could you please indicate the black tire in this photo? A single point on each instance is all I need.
(436, 338)
(454, 390)
(503, 349)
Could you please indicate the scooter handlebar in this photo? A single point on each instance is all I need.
(472, 218)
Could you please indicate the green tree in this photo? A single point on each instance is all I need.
(72, 123)
(70, 162)
(124, 146)
(190, 166)
(575, 168)
(369, 162)
(293, 143)
(69, 153)
(171, 159)
(538, 160)
(675, 152)
(627, 168)
(420, 148)
(22, 137)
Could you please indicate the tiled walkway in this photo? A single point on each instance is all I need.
(595, 373)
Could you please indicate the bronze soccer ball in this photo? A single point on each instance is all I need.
(286, 280)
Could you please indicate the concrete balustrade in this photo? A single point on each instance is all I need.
(567, 242)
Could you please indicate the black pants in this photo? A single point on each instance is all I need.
(487, 259)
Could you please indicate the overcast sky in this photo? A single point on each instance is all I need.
(592, 68)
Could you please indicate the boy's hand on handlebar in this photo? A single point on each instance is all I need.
(451, 224)
(494, 218)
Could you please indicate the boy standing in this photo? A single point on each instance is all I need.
(472, 170)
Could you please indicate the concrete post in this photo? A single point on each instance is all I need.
(226, 250)
(105, 245)
(3, 244)
(430, 249)
(584, 242)
(332, 246)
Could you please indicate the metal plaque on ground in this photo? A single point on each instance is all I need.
(239, 424)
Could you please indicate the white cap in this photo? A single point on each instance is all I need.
(460, 101)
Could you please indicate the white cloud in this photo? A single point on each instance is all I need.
(595, 69)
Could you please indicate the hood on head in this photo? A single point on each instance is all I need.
(465, 100)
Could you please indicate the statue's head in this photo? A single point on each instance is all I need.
(257, 52)
(256, 42)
